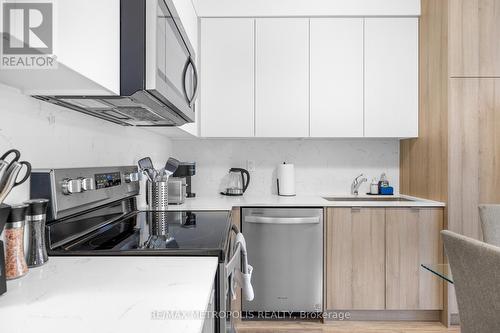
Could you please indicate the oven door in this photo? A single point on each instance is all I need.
(171, 74)
(225, 301)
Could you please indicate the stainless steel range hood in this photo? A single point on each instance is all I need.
(140, 109)
(158, 76)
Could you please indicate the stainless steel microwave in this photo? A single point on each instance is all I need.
(158, 75)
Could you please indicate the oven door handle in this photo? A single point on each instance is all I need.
(283, 220)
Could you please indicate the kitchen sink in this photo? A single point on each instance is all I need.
(366, 199)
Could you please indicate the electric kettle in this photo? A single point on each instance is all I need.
(237, 184)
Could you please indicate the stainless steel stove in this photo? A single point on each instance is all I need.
(93, 212)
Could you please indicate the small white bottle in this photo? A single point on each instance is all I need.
(374, 187)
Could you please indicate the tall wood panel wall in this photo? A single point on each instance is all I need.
(456, 158)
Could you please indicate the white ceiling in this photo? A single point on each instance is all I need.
(262, 8)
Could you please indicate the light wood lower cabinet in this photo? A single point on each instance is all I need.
(355, 263)
(373, 257)
(412, 238)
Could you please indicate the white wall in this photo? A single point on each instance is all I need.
(321, 166)
(53, 137)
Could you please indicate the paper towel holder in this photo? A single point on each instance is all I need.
(283, 195)
(286, 173)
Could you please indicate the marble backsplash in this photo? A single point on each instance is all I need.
(49, 136)
(321, 166)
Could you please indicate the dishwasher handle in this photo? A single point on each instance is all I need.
(282, 220)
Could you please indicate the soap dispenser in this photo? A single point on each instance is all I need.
(374, 187)
(383, 186)
(383, 182)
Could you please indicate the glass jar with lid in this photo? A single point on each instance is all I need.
(36, 251)
(15, 262)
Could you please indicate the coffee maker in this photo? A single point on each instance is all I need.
(186, 170)
(4, 214)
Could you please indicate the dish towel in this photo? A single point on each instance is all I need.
(241, 277)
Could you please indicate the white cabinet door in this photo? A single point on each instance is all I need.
(336, 77)
(227, 77)
(87, 53)
(391, 77)
(282, 77)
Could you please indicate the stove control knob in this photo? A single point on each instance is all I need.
(70, 186)
(131, 177)
(88, 184)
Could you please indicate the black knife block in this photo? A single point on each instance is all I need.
(4, 213)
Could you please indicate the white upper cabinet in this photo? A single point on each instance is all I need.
(321, 77)
(227, 77)
(87, 52)
(391, 77)
(282, 77)
(289, 8)
(336, 74)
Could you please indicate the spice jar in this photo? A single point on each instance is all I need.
(15, 263)
(36, 252)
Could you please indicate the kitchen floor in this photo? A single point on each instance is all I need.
(344, 327)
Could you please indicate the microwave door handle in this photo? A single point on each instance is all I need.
(191, 100)
(184, 74)
(196, 83)
(282, 220)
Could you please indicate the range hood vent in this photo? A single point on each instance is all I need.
(136, 110)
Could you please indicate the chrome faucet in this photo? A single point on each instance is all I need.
(356, 183)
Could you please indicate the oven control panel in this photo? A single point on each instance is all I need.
(85, 182)
(105, 180)
(74, 190)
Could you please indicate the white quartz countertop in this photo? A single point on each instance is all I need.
(109, 294)
(221, 202)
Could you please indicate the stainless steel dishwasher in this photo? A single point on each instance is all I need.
(285, 247)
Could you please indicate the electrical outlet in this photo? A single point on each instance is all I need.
(250, 165)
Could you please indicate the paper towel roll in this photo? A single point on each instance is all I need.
(286, 179)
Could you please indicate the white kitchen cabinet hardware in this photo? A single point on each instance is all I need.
(336, 74)
(282, 77)
(227, 79)
(391, 77)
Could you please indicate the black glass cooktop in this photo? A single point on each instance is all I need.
(156, 233)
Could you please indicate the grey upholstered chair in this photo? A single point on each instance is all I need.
(475, 267)
(490, 223)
